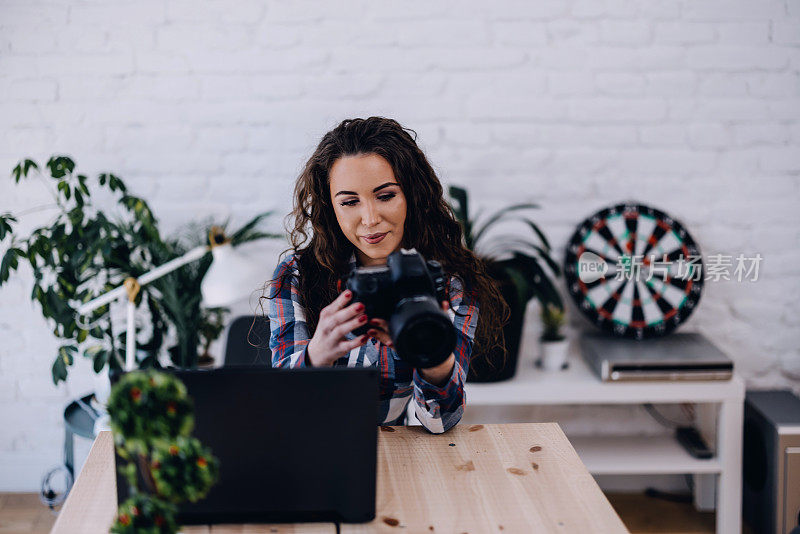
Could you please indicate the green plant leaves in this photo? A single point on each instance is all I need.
(70, 253)
(149, 405)
(5, 225)
(142, 214)
(152, 416)
(59, 370)
(480, 231)
(183, 469)
(144, 514)
(63, 187)
(60, 166)
(461, 212)
(98, 355)
(22, 169)
(82, 184)
(64, 359)
(100, 360)
(249, 232)
(9, 263)
(114, 183)
(67, 353)
(540, 284)
(524, 268)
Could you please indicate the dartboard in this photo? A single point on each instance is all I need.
(634, 271)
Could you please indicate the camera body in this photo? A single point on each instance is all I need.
(406, 292)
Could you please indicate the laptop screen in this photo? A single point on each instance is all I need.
(293, 444)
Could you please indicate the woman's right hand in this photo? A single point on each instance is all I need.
(335, 320)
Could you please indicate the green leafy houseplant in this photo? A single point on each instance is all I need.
(152, 417)
(523, 268)
(84, 252)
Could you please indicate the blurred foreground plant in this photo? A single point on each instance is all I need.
(152, 417)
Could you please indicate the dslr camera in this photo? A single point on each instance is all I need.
(406, 292)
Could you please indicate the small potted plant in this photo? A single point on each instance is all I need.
(522, 267)
(554, 344)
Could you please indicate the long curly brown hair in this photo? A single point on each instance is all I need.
(322, 251)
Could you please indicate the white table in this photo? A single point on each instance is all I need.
(624, 455)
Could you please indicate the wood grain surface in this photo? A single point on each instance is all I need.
(506, 478)
(303, 528)
(481, 478)
(92, 503)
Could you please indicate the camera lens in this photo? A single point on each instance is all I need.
(426, 337)
(423, 334)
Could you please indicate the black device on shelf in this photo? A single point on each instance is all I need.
(693, 442)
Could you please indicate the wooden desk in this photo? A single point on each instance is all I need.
(92, 503)
(482, 478)
(523, 478)
(720, 407)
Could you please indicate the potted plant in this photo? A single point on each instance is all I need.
(523, 268)
(85, 251)
(152, 418)
(553, 343)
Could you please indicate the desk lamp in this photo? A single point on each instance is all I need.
(230, 278)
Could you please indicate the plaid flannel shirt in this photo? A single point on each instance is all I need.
(438, 408)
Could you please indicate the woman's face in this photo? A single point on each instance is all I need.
(369, 205)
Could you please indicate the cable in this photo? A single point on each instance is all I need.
(667, 496)
(51, 497)
(663, 421)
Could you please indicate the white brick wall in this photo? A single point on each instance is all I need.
(209, 108)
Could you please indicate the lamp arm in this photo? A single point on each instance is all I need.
(193, 255)
(158, 272)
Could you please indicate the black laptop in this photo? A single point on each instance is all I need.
(294, 445)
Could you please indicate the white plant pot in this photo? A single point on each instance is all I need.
(102, 387)
(554, 354)
(102, 390)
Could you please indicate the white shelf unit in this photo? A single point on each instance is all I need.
(640, 455)
(636, 455)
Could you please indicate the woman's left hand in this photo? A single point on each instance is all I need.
(379, 328)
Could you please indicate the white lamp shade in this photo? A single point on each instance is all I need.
(231, 277)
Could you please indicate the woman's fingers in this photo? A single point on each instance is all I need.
(379, 329)
(349, 344)
(380, 323)
(350, 325)
(383, 337)
(337, 304)
(353, 310)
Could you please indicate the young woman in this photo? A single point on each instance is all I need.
(367, 191)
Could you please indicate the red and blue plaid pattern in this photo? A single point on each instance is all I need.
(438, 408)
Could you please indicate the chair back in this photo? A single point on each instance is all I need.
(248, 342)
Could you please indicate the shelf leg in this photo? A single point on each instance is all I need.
(705, 486)
(69, 452)
(705, 492)
(729, 482)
